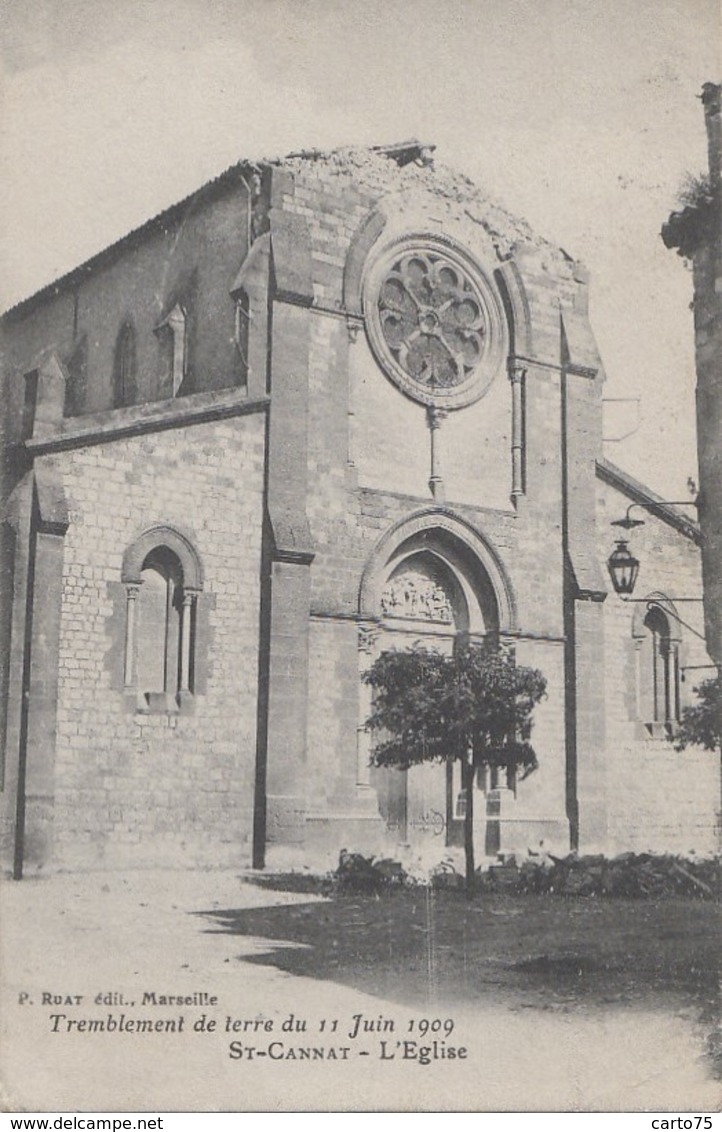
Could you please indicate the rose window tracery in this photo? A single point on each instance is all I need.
(431, 320)
(434, 322)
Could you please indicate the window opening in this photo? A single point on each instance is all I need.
(124, 376)
(660, 670)
(160, 639)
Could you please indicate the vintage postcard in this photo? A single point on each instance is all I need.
(358, 568)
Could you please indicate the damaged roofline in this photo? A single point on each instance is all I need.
(403, 153)
(107, 254)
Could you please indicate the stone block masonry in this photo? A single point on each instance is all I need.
(325, 497)
(657, 798)
(134, 788)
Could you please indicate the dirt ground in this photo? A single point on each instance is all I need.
(592, 1005)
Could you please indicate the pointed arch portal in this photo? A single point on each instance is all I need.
(430, 578)
(466, 553)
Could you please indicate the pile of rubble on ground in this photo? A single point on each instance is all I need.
(356, 873)
(636, 875)
(629, 874)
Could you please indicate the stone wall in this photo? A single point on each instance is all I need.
(141, 789)
(292, 540)
(657, 798)
(369, 465)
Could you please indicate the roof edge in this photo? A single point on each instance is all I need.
(108, 253)
(403, 153)
(639, 493)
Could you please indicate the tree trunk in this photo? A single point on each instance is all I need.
(467, 783)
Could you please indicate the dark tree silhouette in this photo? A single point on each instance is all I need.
(475, 706)
(701, 723)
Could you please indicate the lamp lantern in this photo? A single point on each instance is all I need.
(623, 568)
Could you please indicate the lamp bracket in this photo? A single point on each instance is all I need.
(627, 523)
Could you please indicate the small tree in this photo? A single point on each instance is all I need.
(701, 723)
(474, 706)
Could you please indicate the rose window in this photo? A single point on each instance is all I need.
(431, 320)
(433, 324)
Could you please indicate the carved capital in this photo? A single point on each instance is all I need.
(367, 637)
(353, 325)
(517, 371)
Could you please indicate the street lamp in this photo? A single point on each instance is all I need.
(623, 568)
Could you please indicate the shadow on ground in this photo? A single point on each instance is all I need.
(418, 947)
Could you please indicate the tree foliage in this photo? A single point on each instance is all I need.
(701, 723)
(695, 190)
(474, 705)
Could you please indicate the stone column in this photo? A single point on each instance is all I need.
(189, 599)
(517, 375)
(435, 417)
(367, 638)
(131, 618)
(353, 326)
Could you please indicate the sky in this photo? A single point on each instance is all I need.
(581, 116)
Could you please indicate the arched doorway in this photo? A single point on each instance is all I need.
(427, 586)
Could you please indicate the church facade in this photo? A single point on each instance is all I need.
(325, 407)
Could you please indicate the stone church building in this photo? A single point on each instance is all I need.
(324, 407)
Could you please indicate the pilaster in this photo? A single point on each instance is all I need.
(41, 523)
(289, 554)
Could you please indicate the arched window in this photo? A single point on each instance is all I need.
(659, 669)
(159, 623)
(124, 367)
(162, 576)
(172, 335)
